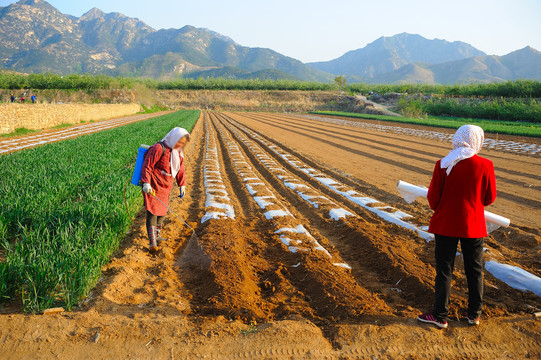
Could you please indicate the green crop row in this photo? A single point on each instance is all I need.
(63, 213)
(514, 89)
(490, 126)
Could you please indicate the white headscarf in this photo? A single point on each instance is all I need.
(467, 142)
(170, 140)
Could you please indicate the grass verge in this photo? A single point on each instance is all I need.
(153, 109)
(490, 126)
(63, 212)
(64, 125)
(19, 132)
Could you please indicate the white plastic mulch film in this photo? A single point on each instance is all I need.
(411, 192)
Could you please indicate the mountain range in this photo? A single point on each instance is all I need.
(410, 58)
(520, 64)
(36, 37)
(387, 54)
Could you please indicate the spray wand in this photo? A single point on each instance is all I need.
(153, 193)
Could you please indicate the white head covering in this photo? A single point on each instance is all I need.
(467, 142)
(170, 140)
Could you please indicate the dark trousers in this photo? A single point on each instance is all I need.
(153, 220)
(472, 252)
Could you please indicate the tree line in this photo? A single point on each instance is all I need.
(508, 89)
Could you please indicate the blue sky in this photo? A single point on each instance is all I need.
(314, 30)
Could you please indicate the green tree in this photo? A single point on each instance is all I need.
(340, 82)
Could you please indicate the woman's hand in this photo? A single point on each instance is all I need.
(147, 188)
(182, 192)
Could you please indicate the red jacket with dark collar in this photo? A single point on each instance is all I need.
(459, 199)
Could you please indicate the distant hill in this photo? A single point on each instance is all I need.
(236, 73)
(387, 54)
(36, 37)
(520, 64)
(200, 49)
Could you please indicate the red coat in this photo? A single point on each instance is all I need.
(156, 171)
(459, 199)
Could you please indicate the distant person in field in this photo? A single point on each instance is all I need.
(12, 98)
(22, 99)
(33, 98)
(164, 163)
(462, 185)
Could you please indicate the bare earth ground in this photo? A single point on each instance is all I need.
(381, 159)
(236, 291)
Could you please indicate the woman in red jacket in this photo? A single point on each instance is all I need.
(164, 163)
(462, 185)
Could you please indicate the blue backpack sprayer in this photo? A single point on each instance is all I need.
(136, 178)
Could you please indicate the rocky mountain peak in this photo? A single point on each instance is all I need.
(36, 3)
(529, 49)
(30, 2)
(92, 14)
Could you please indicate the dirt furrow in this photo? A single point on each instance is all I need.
(267, 260)
(226, 280)
(415, 163)
(316, 271)
(404, 142)
(342, 192)
(409, 140)
(328, 209)
(519, 243)
(400, 148)
(507, 239)
(519, 144)
(359, 242)
(384, 176)
(423, 252)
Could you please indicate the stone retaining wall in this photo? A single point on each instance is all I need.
(42, 116)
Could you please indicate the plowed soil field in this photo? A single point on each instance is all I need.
(302, 249)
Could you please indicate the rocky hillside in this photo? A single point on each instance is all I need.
(387, 54)
(520, 64)
(407, 58)
(36, 37)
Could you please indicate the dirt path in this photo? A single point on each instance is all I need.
(291, 260)
(157, 336)
(53, 135)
